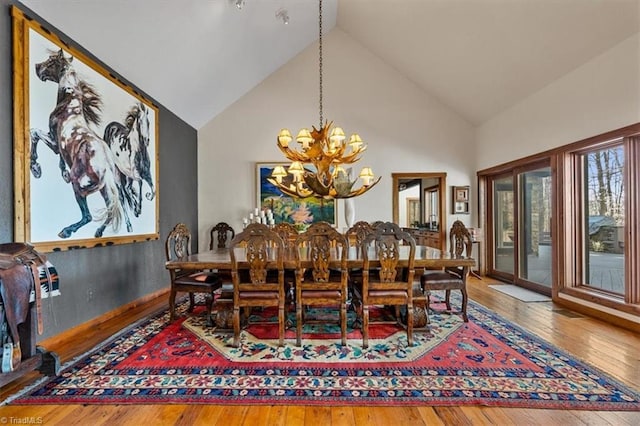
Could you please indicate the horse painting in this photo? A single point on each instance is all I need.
(129, 143)
(85, 159)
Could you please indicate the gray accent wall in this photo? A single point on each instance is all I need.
(98, 280)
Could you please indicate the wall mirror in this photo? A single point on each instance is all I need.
(419, 202)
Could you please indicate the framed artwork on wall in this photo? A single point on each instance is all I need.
(300, 211)
(85, 147)
(460, 197)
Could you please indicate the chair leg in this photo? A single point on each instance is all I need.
(281, 323)
(447, 300)
(298, 324)
(172, 304)
(192, 302)
(410, 324)
(398, 315)
(365, 326)
(210, 299)
(343, 323)
(236, 326)
(463, 290)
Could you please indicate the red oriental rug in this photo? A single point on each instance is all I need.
(487, 361)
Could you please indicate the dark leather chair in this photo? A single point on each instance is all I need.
(221, 234)
(389, 285)
(320, 285)
(262, 251)
(178, 245)
(451, 278)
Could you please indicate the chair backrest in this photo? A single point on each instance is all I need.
(263, 251)
(178, 243)
(357, 234)
(375, 223)
(323, 243)
(386, 240)
(460, 240)
(221, 234)
(287, 232)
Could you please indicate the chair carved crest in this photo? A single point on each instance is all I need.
(358, 232)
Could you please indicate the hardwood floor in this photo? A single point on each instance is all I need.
(614, 350)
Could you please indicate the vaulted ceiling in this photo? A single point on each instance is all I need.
(479, 57)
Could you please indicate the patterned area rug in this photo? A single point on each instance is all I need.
(487, 361)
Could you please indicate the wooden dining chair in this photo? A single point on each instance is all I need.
(221, 234)
(451, 278)
(390, 284)
(260, 250)
(178, 245)
(320, 284)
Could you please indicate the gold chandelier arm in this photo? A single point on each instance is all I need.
(293, 190)
(294, 155)
(298, 191)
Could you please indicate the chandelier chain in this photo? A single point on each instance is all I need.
(317, 166)
(320, 55)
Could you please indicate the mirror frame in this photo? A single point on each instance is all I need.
(395, 178)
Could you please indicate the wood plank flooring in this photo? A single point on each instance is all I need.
(612, 349)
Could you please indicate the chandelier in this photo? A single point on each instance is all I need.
(317, 165)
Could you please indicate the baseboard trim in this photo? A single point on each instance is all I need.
(86, 326)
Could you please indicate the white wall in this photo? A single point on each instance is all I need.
(599, 96)
(406, 129)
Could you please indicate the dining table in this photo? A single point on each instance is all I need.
(425, 258)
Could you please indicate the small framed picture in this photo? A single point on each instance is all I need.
(461, 193)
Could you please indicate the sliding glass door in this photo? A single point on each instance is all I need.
(504, 226)
(521, 227)
(534, 232)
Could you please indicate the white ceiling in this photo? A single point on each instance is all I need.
(197, 57)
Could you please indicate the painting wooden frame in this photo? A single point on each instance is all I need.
(76, 183)
(300, 212)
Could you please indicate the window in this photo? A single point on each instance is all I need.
(601, 176)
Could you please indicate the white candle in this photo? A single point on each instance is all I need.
(251, 217)
(256, 211)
